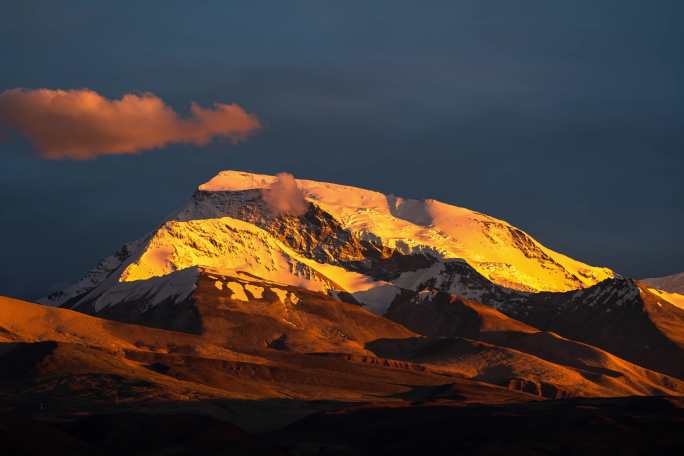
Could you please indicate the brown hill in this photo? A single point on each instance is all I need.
(243, 337)
(482, 343)
(620, 316)
(56, 361)
(439, 314)
(247, 313)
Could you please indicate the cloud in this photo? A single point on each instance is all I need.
(283, 196)
(82, 124)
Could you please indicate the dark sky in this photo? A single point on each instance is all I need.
(563, 118)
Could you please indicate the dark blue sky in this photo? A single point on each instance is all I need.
(564, 118)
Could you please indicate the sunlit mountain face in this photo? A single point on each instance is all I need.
(273, 310)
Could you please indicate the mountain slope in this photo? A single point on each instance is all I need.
(21, 321)
(254, 339)
(68, 362)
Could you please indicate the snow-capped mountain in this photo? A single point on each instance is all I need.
(280, 269)
(351, 243)
(502, 253)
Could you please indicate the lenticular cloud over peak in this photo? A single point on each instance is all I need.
(82, 124)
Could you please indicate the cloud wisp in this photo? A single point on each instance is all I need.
(82, 124)
(284, 197)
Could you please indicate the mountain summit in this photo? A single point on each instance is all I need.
(344, 241)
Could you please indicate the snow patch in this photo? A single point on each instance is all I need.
(256, 291)
(378, 299)
(280, 293)
(238, 293)
(176, 287)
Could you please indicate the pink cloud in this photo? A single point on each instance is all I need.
(82, 124)
(284, 196)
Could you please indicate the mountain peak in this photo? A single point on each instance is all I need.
(341, 239)
(499, 251)
(231, 180)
